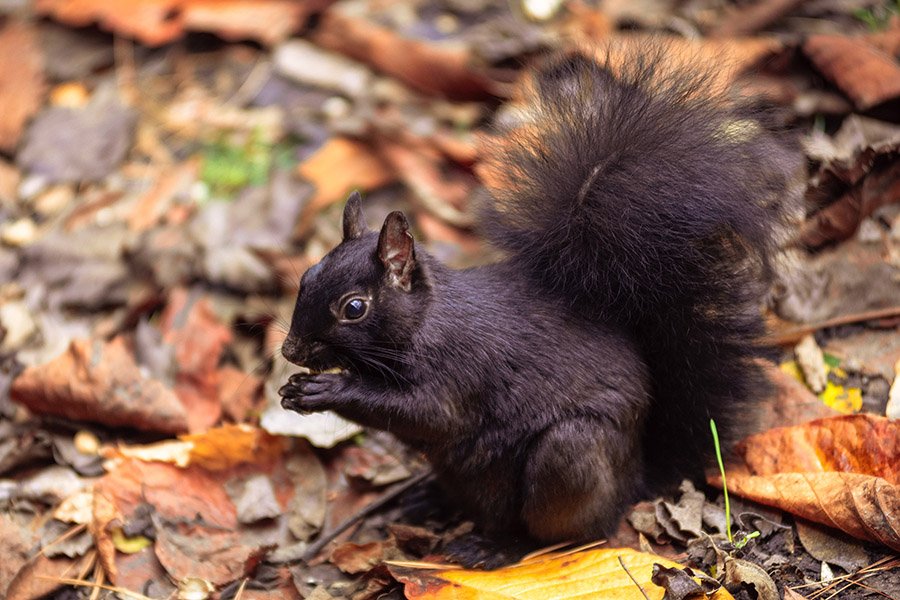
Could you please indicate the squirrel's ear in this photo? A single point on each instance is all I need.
(396, 251)
(354, 222)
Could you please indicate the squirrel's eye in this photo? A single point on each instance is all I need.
(354, 309)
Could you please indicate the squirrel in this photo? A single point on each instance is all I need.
(554, 388)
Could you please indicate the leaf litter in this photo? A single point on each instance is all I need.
(152, 201)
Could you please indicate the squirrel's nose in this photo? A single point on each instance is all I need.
(290, 349)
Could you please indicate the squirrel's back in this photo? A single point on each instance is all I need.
(639, 197)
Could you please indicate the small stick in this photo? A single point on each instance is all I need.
(795, 335)
(367, 510)
(627, 572)
(91, 584)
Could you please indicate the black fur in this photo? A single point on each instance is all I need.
(552, 389)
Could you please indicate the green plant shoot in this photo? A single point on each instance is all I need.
(715, 434)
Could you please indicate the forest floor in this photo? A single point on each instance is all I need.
(167, 172)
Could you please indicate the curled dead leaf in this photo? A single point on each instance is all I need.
(842, 472)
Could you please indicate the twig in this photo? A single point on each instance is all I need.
(367, 510)
(71, 532)
(91, 584)
(795, 335)
(240, 591)
(627, 572)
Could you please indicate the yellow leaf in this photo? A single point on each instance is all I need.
(846, 401)
(587, 574)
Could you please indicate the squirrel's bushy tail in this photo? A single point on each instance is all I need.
(644, 199)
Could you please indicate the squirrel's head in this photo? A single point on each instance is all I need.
(361, 304)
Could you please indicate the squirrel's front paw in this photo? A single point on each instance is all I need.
(312, 393)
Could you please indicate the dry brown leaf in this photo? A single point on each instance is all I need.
(175, 494)
(152, 206)
(240, 393)
(751, 18)
(199, 338)
(100, 382)
(866, 74)
(353, 558)
(841, 471)
(336, 169)
(433, 70)
(22, 84)
(37, 578)
(156, 22)
(592, 573)
(195, 550)
(838, 221)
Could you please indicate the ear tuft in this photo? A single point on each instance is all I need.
(396, 251)
(354, 222)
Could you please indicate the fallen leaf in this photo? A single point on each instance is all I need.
(16, 542)
(428, 68)
(39, 576)
(866, 74)
(741, 571)
(211, 554)
(199, 338)
(591, 573)
(22, 84)
(842, 472)
(354, 558)
(175, 495)
(216, 449)
(860, 444)
(156, 22)
(78, 144)
(240, 393)
(680, 583)
(339, 167)
(100, 382)
(828, 546)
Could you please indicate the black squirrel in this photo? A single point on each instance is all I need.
(554, 388)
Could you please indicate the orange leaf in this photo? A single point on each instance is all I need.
(232, 445)
(863, 444)
(21, 81)
(842, 472)
(156, 22)
(592, 573)
(336, 169)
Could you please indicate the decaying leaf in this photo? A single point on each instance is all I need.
(156, 22)
(842, 472)
(866, 74)
(100, 382)
(199, 338)
(430, 69)
(338, 168)
(600, 573)
(21, 80)
(133, 483)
